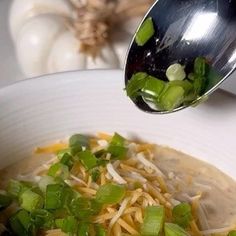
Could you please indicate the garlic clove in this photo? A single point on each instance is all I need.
(65, 55)
(106, 59)
(34, 41)
(22, 10)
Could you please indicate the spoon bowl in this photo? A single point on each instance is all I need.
(184, 30)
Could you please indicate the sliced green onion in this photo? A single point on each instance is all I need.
(20, 223)
(135, 84)
(199, 82)
(200, 66)
(83, 229)
(185, 84)
(15, 188)
(199, 85)
(145, 32)
(76, 142)
(42, 219)
(54, 196)
(88, 159)
(95, 174)
(100, 154)
(110, 193)
(117, 140)
(96, 206)
(175, 72)
(116, 146)
(79, 139)
(5, 201)
(153, 221)
(68, 195)
(117, 152)
(100, 231)
(45, 181)
(232, 233)
(60, 213)
(191, 76)
(24, 218)
(61, 153)
(68, 224)
(189, 94)
(83, 207)
(31, 200)
(102, 162)
(59, 170)
(182, 214)
(172, 98)
(174, 230)
(59, 223)
(17, 227)
(67, 160)
(153, 87)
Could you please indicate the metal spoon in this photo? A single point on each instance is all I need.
(186, 29)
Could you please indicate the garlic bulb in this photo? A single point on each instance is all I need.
(61, 35)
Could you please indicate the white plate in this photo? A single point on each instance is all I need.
(39, 111)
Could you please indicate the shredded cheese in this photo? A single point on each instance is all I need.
(146, 186)
(116, 177)
(148, 164)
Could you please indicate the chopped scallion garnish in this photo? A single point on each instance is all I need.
(59, 170)
(31, 200)
(5, 201)
(200, 66)
(116, 147)
(15, 188)
(76, 142)
(61, 153)
(100, 231)
(45, 181)
(153, 87)
(83, 229)
(232, 233)
(110, 193)
(67, 160)
(182, 214)
(88, 159)
(172, 98)
(117, 140)
(83, 208)
(54, 196)
(175, 72)
(42, 219)
(117, 152)
(153, 221)
(180, 90)
(145, 32)
(20, 223)
(174, 230)
(95, 174)
(68, 225)
(135, 84)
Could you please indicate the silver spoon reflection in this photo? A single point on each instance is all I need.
(184, 30)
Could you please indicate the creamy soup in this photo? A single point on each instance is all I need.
(145, 184)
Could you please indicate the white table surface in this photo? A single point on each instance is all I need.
(9, 69)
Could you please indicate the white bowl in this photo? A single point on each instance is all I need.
(39, 111)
